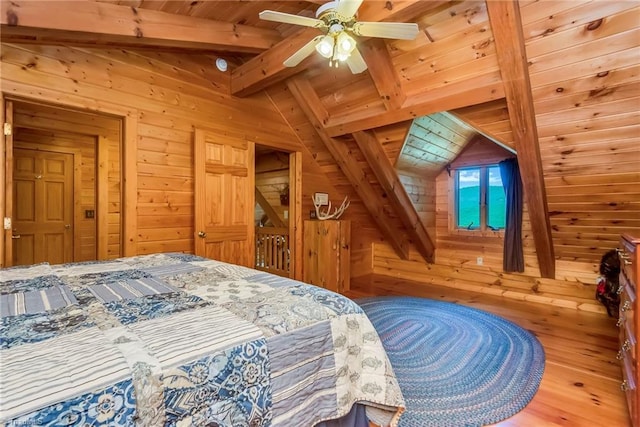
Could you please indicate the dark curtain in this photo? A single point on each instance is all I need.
(513, 259)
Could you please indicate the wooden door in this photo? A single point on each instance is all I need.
(6, 173)
(224, 198)
(42, 207)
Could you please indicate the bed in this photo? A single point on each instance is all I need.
(179, 340)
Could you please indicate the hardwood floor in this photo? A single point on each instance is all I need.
(581, 382)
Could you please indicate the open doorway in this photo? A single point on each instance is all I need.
(275, 202)
(64, 181)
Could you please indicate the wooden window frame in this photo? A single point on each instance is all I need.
(483, 230)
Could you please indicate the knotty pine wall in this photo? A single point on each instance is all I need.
(430, 196)
(457, 251)
(418, 183)
(322, 174)
(575, 292)
(171, 95)
(422, 192)
(584, 73)
(585, 77)
(586, 99)
(170, 102)
(45, 126)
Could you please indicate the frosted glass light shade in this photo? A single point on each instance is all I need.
(346, 44)
(325, 46)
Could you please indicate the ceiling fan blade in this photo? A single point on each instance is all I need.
(287, 18)
(388, 30)
(302, 53)
(356, 63)
(348, 8)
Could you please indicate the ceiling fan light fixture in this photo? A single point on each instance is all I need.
(338, 23)
(332, 5)
(345, 44)
(341, 57)
(325, 46)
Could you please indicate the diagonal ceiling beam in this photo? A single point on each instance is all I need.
(372, 200)
(267, 69)
(384, 75)
(110, 24)
(268, 209)
(396, 193)
(512, 57)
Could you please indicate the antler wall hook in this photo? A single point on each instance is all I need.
(337, 213)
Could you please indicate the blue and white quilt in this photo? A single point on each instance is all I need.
(179, 340)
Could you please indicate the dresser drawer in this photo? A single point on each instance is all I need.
(629, 385)
(628, 258)
(628, 305)
(628, 343)
(629, 323)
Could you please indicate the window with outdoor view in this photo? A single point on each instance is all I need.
(480, 200)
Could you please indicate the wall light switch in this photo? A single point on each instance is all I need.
(7, 223)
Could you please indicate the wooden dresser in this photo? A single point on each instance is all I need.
(327, 254)
(629, 323)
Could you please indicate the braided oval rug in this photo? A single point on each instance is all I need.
(456, 365)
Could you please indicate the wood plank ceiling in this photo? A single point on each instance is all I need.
(556, 80)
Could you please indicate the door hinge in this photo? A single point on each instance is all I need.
(7, 129)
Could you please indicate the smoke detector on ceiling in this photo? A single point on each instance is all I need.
(221, 64)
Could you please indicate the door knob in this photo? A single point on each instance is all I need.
(15, 236)
(67, 226)
(202, 234)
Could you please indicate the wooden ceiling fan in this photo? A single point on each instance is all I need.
(337, 21)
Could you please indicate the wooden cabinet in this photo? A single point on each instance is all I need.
(629, 323)
(327, 254)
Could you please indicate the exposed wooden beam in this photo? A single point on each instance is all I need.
(384, 75)
(481, 89)
(268, 209)
(396, 10)
(312, 107)
(512, 57)
(267, 68)
(396, 193)
(89, 22)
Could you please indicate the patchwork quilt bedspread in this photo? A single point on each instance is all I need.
(179, 340)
